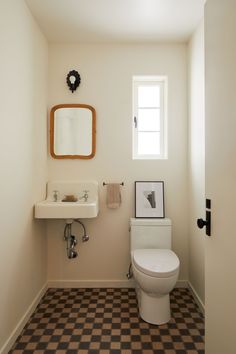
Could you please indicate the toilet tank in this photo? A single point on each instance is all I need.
(150, 233)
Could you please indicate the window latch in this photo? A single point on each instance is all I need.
(135, 122)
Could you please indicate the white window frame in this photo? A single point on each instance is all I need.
(161, 81)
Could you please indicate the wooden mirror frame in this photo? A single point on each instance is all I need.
(52, 131)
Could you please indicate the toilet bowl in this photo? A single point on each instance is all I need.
(155, 272)
(155, 268)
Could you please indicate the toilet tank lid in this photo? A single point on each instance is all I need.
(150, 222)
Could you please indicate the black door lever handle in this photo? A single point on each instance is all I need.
(201, 223)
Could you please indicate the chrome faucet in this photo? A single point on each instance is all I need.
(85, 196)
(55, 196)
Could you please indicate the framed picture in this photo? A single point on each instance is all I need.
(149, 199)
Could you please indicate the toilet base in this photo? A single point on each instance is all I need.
(153, 309)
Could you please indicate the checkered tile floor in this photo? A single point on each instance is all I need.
(103, 321)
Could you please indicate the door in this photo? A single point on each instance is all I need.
(220, 76)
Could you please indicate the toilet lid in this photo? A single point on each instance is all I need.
(160, 263)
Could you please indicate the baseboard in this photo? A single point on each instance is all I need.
(91, 283)
(102, 284)
(19, 327)
(197, 298)
(181, 284)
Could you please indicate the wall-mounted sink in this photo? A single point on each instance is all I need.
(86, 206)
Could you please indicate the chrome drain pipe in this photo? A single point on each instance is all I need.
(71, 242)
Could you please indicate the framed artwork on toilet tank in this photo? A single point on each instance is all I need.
(149, 199)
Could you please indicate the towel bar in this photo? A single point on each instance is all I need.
(105, 184)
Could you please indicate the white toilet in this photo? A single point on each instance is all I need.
(155, 267)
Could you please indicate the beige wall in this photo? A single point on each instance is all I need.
(106, 78)
(196, 160)
(23, 159)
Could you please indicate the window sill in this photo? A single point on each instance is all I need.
(150, 158)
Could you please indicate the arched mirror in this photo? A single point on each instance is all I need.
(72, 131)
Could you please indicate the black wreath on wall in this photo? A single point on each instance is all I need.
(73, 80)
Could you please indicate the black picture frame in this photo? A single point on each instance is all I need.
(149, 199)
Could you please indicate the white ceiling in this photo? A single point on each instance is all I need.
(117, 20)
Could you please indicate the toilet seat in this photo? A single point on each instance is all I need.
(159, 263)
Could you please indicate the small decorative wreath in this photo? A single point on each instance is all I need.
(73, 80)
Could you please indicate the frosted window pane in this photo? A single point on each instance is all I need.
(149, 119)
(149, 143)
(149, 96)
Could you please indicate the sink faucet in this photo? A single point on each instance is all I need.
(85, 196)
(55, 196)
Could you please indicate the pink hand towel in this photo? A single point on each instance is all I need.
(113, 195)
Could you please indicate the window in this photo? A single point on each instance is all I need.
(149, 117)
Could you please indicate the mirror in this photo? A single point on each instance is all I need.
(72, 131)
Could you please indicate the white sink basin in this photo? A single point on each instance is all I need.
(50, 209)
